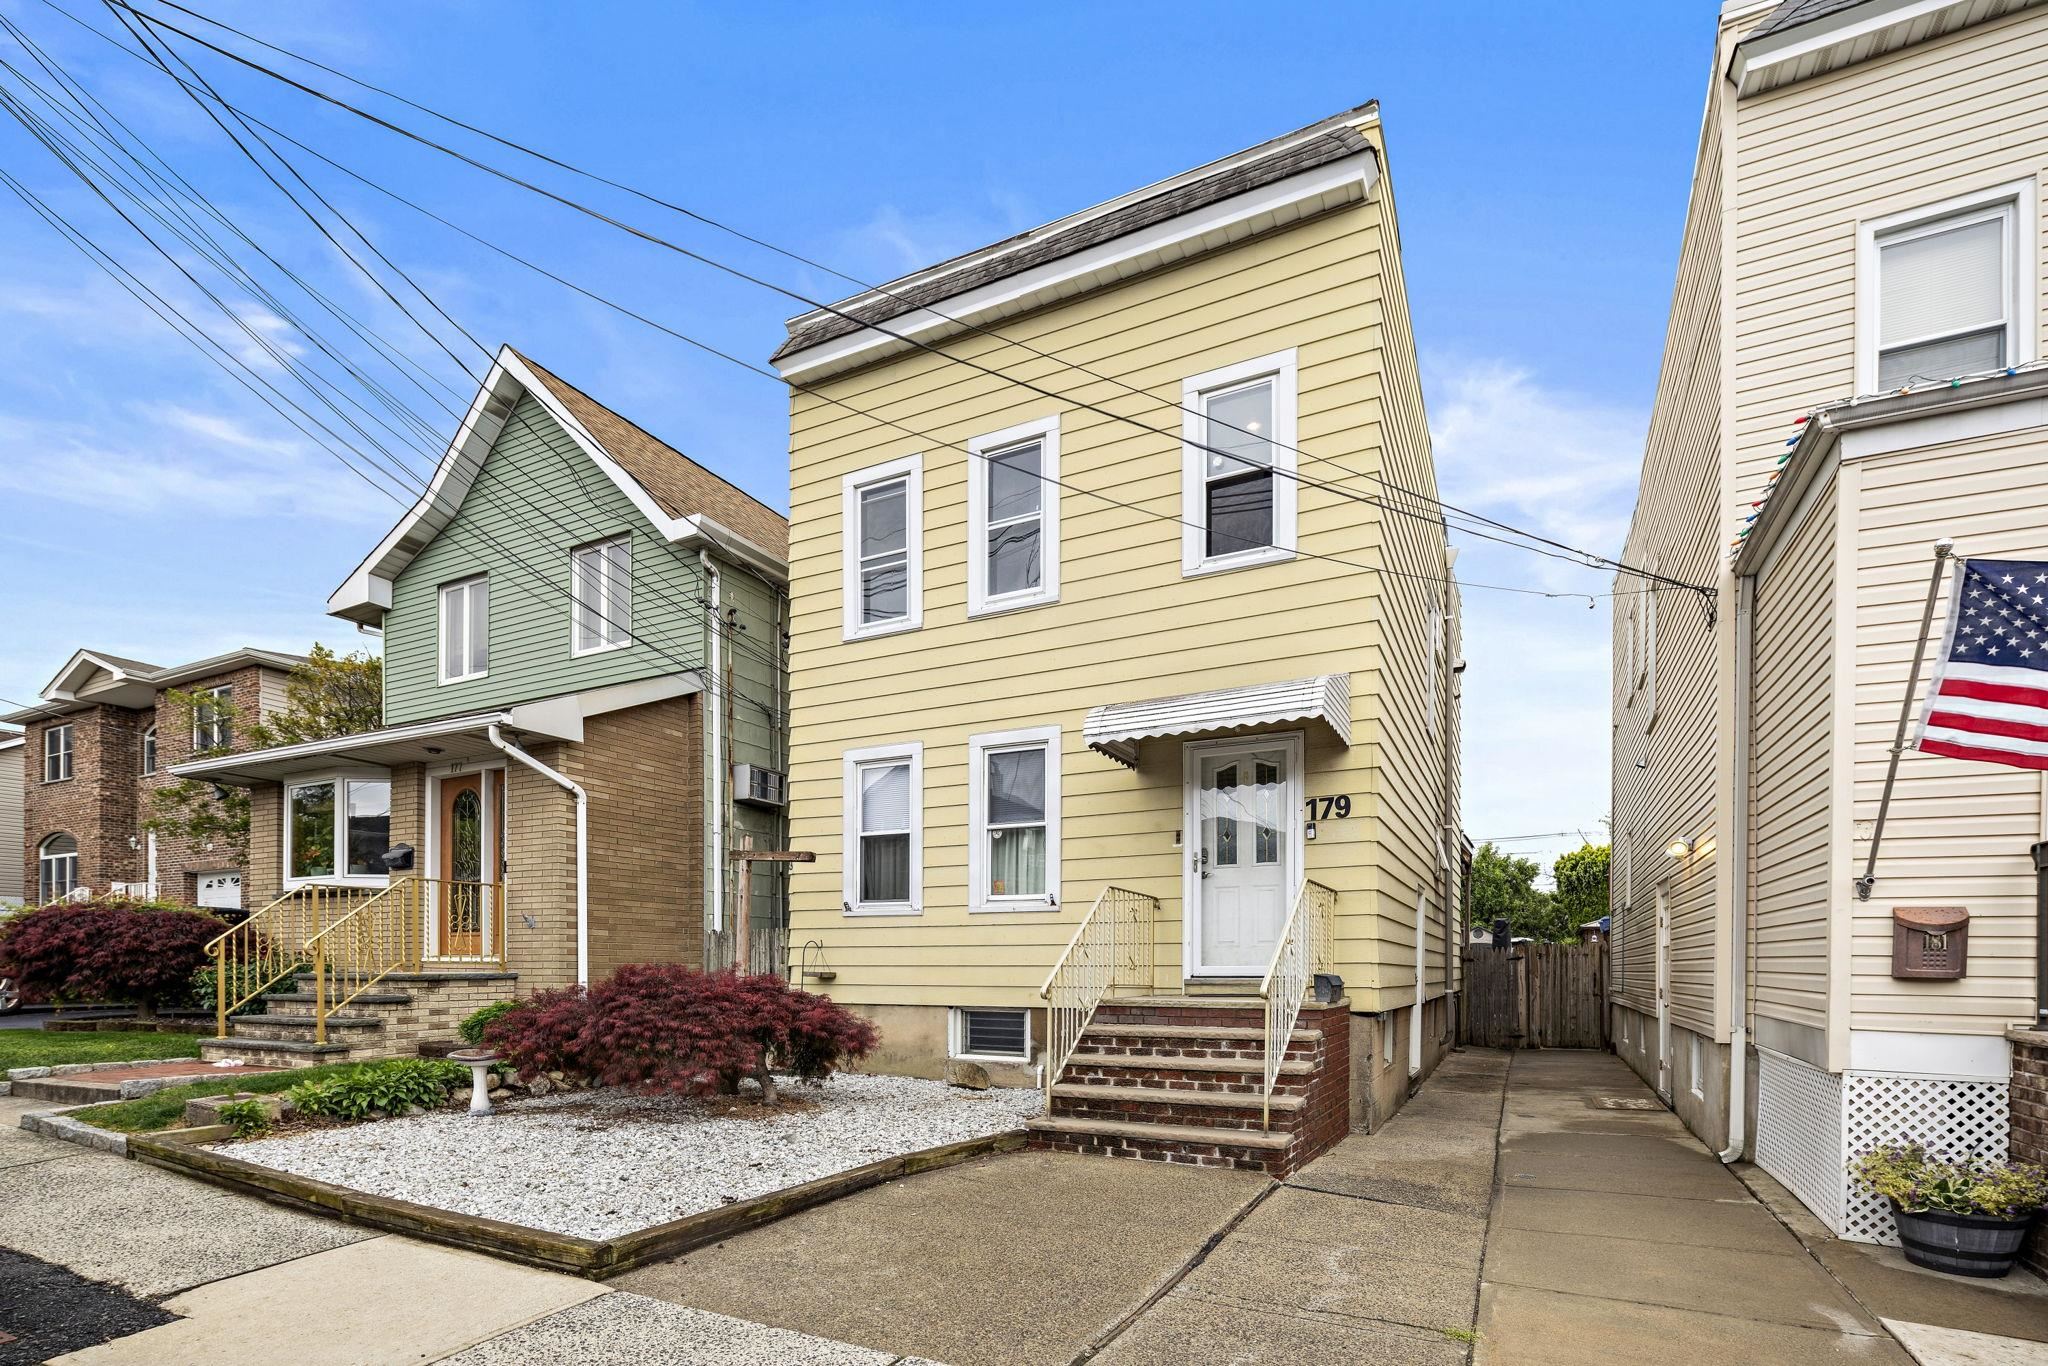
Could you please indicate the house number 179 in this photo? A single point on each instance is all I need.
(1323, 808)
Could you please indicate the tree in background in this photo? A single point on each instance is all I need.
(1581, 885)
(327, 696)
(1504, 884)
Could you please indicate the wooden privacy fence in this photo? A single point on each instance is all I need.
(1534, 996)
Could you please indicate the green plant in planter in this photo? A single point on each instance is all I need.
(1904, 1174)
(477, 1021)
(386, 1087)
(248, 1118)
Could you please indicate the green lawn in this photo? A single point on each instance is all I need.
(165, 1109)
(44, 1048)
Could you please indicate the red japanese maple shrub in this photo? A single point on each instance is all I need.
(665, 1027)
(141, 953)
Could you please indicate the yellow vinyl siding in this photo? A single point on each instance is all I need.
(1664, 783)
(1792, 757)
(1128, 625)
(1958, 831)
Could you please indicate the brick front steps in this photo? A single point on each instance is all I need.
(403, 1010)
(1178, 1079)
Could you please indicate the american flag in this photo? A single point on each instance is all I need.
(1989, 696)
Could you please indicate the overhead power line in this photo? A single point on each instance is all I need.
(1585, 558)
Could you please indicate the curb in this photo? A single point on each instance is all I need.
(55, 1124)
(181, 1150)
(72, 1069)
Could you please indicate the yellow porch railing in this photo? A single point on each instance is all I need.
(414, 922)
(1111, 950)
(1307, 946)
(350, 938)
(273, 943)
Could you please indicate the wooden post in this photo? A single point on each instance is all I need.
(747, 856)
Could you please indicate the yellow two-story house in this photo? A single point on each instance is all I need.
(1124, 652)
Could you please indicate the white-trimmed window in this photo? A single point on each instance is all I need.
(603, 575)
(1237, 466)
(213, 720)
(882, 513)
(1013, 794)
(883, 801)
(1947, 290)
(1013, 518)
(337, 822)
(57, 753)
(149, 751)
(1696, 1064)
(56, 867)
(466, 628)
(990, 1035)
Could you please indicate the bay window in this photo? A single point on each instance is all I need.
(884, 835)
(1237, 487)
(1014, 808)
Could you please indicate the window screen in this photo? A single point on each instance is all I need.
(994, 1033)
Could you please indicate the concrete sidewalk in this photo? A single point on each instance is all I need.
(1616, 1236)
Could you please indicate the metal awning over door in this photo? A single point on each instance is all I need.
(1118, 728)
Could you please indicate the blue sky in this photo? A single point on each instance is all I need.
(1540, 156)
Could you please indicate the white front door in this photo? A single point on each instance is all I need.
(1243, 818)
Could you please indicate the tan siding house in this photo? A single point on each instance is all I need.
(1866, 382)
(13, 841)
(1119, 545)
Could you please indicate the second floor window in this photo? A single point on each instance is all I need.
(1014, 518)
(604, 595)
(149, 751)
(213, 720)
(1237, 484)
(57, 754)
(1946, 294)
(882, 512)
(465, 629)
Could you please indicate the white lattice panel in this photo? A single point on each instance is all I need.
(1799, 1132)
(1953, 1118)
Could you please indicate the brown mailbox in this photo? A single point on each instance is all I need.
(1930, 941)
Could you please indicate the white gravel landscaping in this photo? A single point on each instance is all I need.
(598, 1164)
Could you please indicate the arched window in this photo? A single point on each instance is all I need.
(149, 750)
(57, 867)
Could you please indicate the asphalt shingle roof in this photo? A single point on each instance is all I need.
(1793, 13)
(1020, 253)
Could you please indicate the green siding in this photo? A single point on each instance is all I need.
(760, 692)
(537, 498)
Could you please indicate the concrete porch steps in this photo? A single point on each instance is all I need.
(400, 1012)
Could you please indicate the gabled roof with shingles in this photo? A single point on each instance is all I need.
(1274, 160)
(1793, 13)
(681, 486)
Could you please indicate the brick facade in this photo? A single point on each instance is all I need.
(107, 802)
(2029, 1141)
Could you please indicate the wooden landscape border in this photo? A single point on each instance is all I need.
(182, 1150)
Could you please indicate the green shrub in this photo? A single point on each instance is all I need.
(382, 1087)
(248, 1118)
(472, 1029)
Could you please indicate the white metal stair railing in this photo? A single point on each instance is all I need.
(1306, 947)
(1111, 948)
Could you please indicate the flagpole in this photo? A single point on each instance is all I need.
(1943, 548)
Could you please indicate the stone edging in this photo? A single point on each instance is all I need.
(182, 1150)
(68, 1069)
(57, 1124)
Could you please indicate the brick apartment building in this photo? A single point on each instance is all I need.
(103, 739)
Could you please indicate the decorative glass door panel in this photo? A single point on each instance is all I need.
(1242, 872)
(465, 880)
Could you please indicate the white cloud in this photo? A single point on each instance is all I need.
(1536, 688)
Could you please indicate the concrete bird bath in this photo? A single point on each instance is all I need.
(478, 1061)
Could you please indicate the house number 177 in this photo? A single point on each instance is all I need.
(1323, 808)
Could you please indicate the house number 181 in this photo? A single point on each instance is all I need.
(1323, 808)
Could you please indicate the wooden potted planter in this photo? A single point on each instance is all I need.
(1961, 1244)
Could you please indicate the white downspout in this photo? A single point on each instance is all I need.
(582, 845)
(1415, 1010)
(1738, 872)
(714, 826)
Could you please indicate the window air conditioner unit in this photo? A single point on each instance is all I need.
(760, 786)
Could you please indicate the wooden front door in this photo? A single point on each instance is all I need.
(465, 865)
